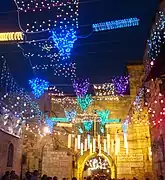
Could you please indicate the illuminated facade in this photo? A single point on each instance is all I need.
(155, 90)
(68, 151)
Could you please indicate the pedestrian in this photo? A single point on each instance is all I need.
(74, 178)
(55, 178)
(35, 175)
(44, 177)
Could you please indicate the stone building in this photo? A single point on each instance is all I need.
(10, 153)
(155, 90)
(50, 153)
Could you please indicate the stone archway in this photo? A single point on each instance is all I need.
(86, 156)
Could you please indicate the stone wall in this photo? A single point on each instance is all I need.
(6, 140)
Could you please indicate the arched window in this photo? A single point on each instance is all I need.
(10, 155)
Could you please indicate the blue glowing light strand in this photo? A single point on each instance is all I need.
(70, 115)
(123, 23)
(62, 120)
(49, 123)
(64, 41)
(38, 86)
(88, 125)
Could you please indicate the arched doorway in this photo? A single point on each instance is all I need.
(83, 160)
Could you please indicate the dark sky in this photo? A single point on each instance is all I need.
(101, 54)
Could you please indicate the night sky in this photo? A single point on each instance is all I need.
(102, 54)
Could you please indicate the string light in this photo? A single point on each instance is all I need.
(11, 36)
(104, 26)
(85, 101)
(81, 87)
(157, 37)
(38, 86)
(103, 115)
(70, 115)
(16, 98)
(64, 41)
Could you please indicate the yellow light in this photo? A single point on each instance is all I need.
(85, 145)
(94, 145)
(78, 141)
(11, 36)
(98, 139)
(82, 151)
(75, 148)
(46, 130)
(108, 144)
(69, 125)
(69, 140)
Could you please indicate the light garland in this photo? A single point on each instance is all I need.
(104, 26)
(62, 27)
(39, 86)
(11, 36)
(64, 41)
(85, 101)
(120, 84)
(81, 87)
(15, 98)
(157, 37)
(103, 115)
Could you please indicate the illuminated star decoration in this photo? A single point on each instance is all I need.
(80, 130)
(88, 125)
(38, 86)
(103, 115)
(81, 87)
(49, 123)
(70, 115)
(64, 41)
(85, 101)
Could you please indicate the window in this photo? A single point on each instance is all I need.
(10, 155)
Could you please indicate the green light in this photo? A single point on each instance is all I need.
(85, 101)
(103, 115)
(88, 125)
(112, 120)
(59, 119)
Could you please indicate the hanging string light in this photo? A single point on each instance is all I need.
(16, 98)
(85, 101)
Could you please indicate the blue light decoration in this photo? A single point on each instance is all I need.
(64, 41)
(88, 125)
(70, 115)
(49, 123)
(123, 23)
(81, 87)
(38, 86)
(85, 101)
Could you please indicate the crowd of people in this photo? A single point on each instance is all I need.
(35, 176)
